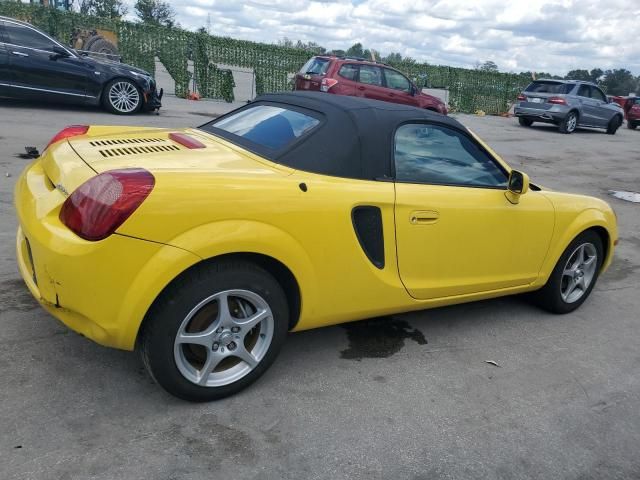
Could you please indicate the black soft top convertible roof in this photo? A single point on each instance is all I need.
(354, 139)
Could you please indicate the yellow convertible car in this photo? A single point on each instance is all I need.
(201, 248)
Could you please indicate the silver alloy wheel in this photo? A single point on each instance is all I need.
(579, 272)
(223, 338)
(572, 122)
(124, 97)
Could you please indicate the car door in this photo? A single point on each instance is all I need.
(399, 88)
(37, 72)
(371, 83)
(4, 63)
(602, 112)
(589, 107)
(456, 231)
(347, 79)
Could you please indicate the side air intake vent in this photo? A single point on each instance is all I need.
(367, 222)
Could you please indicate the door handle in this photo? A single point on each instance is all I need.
(360, 88)
(20, 54)
(423, 217)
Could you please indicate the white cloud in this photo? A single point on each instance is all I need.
(542, 35)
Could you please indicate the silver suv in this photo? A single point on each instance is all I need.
(568, 104)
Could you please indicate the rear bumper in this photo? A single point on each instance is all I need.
(101, 290)
(554, 114)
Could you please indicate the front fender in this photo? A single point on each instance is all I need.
(567, 229)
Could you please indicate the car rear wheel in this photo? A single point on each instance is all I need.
(614, 124)
(122, 97)
(215, 331)
(631, 125)
(574, 276)
(569, 123)
(525, 122)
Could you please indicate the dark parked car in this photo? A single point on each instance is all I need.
(569, 104)
(34, 66)
(359, 78)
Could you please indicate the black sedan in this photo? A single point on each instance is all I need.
(36, 67)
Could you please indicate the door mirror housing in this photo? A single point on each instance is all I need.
(414, 90)
(518, 185)
(58, 52)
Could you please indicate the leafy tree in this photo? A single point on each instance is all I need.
(586, 75)
(155, 12)
(488, 66)
(103, 8)
(619, 82)
(355, 50)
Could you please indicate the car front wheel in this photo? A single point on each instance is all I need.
(614, 124)
(215, 330)
(631, 125)
(122, 97)
(574, 276)
(569, 123)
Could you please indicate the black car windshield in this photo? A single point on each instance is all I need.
(265, 126)
(549, 87)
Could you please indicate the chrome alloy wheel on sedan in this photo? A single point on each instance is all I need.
(579, 272)
(124, 97)
(223, 338)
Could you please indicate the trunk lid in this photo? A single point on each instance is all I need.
(108, 148)
(311, 74)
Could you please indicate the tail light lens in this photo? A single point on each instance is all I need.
(557, 101)
(522, 97)
(327, 83)
(68, 132)
(100, 205)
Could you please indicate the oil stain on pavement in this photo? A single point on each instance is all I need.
(378, 338)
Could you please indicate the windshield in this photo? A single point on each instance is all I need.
(265, 125)
(549, 87)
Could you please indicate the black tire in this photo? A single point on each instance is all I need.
(525, 122)
(168, 314)
(567, 125)
(631, 125)
(614, 124)
(113, 107)
(549, 297)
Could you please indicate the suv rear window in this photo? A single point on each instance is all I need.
(265, 125)
(315, 66)
(549, 87)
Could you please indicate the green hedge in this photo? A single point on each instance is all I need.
(469, 90)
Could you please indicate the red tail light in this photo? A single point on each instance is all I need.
(327, 83)
(557, 101)
(522, 97)
(68, 132)
(101, 204)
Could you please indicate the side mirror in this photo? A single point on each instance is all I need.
(518, 185)
(58, 52)
(414, 90)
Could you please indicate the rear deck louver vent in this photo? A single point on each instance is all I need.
(123, 141)
(137, 150)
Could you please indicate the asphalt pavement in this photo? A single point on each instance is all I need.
(408, 397)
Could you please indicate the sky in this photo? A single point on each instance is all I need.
(552, 36)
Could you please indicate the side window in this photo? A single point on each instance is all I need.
(597, 94)
(583, 91)
(348, 71)
(440, 155)
(25, 37)
(370, 75)
(396, 80)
